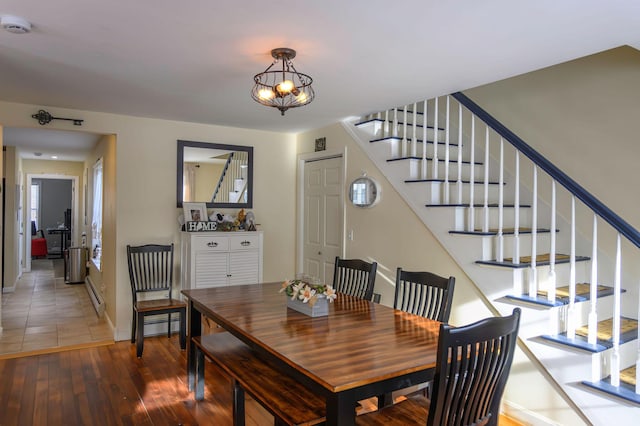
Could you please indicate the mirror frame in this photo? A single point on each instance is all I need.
(180, 172)
(373, 190)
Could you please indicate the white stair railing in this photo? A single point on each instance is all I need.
(466, 146)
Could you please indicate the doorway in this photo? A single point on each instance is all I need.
(52, 204)
(320, 213)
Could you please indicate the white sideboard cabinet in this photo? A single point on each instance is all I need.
(215, 259)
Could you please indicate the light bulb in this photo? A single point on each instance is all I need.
(266, 94)
(301, 98)
(285, 87)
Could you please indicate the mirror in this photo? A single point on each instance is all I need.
(216, 174)
(364, 192)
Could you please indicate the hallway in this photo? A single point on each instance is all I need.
(45, 315)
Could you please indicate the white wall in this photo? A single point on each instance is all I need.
(145, 183)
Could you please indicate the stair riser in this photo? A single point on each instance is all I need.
(462, 216)
(435, 192)
(627, 353)
(488, 245)
(393, 148)
(379, 129)
(413, 169)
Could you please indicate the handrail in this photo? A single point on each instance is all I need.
(222, 177)
(622, 226)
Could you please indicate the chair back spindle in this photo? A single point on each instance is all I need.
(424, 293)
(354, 277)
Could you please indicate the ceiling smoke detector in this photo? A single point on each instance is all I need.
(15, 24)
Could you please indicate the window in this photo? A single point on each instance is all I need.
(35, 204)
(96, 222)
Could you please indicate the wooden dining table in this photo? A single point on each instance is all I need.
(360, 349)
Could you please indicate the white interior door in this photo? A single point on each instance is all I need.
(323, 216)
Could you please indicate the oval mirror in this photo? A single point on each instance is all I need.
(216, 174)
(364, 192)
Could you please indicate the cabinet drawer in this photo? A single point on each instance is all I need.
(210, 243)
(244, 242)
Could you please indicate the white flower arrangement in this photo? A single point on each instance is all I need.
(302, 290)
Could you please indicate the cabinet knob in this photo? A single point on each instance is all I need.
(212, 244)
(319, 252)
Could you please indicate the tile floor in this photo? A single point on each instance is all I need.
(44, 313)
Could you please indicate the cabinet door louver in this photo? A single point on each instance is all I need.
(243, 266)
(211, 269)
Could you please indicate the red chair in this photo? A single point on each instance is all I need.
(39, 245)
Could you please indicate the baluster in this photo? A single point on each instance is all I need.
(638, 354)
(500, 237)
(394, 126)
(425, 126)
(446, 155)
(617, 284)
(434, 173)
(471, 225)
(593, 314)
(551, 286)
(571, 323)
(551, 289)
(533, 277)
(385, 127)
(516, 212)
(485, 210)
(403, 143)
(459, 182)
(414, 138)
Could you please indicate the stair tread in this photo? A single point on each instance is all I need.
(628, 333)
(386, 138)
(624, 391)
(525, 261)
(451, 181)
(477, 163)
(505, 231)
(390, 121)
(583, 293)
(628, 375)
(492, 205)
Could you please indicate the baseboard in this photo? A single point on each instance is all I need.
(525, 416)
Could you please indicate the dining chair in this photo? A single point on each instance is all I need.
(354, 277)
(471, 371)
(151, 276)
(424, 294)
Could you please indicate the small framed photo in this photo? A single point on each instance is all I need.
(321, 144)
(195, 212)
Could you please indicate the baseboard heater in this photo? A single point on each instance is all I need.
(94, 295)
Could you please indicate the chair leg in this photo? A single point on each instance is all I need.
(134, 321)
(238, 404)
(140, 336)
(183, 329)
(169, 325)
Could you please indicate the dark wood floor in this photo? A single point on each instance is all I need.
(108, 385)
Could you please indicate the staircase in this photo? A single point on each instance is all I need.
(526, 234)
(232, 185)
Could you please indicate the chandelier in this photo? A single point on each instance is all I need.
(280, 85)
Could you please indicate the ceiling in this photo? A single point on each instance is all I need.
(195, 61)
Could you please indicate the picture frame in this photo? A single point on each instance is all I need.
(321, 144)
(195, 212)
